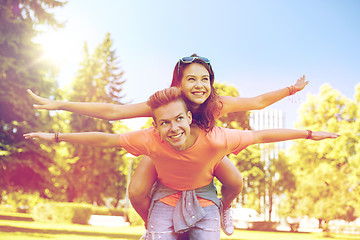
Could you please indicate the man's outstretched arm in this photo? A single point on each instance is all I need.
(278, 135)
(98, 139)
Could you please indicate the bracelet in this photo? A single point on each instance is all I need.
(292, 90)
(57, 140)
(309, 136)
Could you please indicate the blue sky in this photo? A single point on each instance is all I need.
(256, 46)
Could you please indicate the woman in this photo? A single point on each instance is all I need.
(195, 77)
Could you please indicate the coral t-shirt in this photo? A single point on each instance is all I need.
(191, 168)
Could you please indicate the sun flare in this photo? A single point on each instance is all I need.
(64, 49)
(58, 46)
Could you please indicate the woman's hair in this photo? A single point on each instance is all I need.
(205, 115)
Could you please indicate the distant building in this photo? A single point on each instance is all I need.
(261, 120)
(268, 119)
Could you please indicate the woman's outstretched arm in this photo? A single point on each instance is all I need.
(236, 104)
(105, 111)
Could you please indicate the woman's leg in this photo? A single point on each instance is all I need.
(231, 179)
(140, 186)
(232, 184)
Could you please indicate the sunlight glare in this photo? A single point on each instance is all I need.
(63, 48)
(58, 46)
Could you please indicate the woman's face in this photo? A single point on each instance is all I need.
(195, 83)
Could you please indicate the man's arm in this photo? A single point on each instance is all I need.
(278, 135)
(105, 111)
(98, 139)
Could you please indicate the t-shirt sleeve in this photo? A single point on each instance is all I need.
(135, 142)
(237, 140)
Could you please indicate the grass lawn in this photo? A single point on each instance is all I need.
(21, 227)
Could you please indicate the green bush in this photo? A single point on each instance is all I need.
(42, 212)
(71, 213)
(107, 211)
(264, 226)
(20, 201)
(117, 212)
(63, 212)
(6, 208)
(100, 210)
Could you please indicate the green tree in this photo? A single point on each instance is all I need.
(23, 164)
(247, 161)
(326, 171)
(238, 120)
(96, 173)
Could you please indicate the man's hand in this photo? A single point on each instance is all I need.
(323, 135)
(50, 137)
(44, 103)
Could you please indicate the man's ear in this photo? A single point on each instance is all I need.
(189, 114)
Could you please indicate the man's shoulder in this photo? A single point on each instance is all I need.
(221, 132)
(148, 133)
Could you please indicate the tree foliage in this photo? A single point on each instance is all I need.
(247, 161)
(23, 164)
(94, 173)
(327, 172)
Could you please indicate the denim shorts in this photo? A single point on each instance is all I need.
(160, 224)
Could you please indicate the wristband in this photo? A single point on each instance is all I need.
(292, 90)
(309, 136)
(57, 140)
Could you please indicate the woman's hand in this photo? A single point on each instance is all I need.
(300, 83)
(44, 103)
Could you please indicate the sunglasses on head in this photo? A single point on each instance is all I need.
(191, 59)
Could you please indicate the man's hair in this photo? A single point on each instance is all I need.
(164, 97)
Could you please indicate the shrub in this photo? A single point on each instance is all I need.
(20, 201)
(42, 212)
(63, 212)
(6, 208)
(107, 211)
(117, 212)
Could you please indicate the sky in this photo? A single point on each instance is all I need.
(256, 46)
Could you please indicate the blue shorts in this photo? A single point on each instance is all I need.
(160, 224)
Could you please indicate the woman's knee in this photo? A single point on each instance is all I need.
(142, 180)
(137, 191)
(238, 184)
(235, 185)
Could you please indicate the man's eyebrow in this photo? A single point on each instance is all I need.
(166, 120)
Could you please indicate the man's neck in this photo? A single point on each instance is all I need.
(194, 134)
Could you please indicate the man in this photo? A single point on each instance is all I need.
(184, 200)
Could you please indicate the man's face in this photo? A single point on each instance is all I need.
(173, 124)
